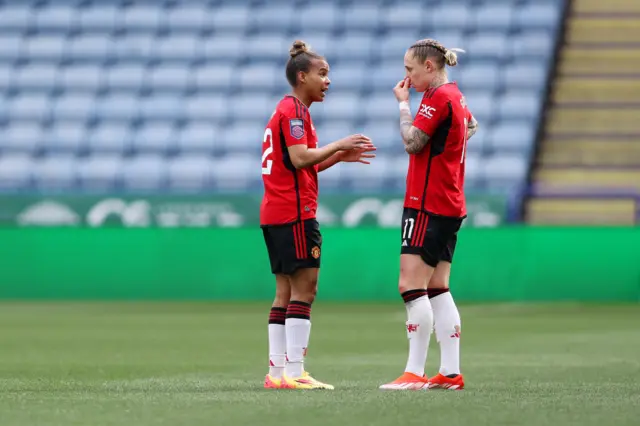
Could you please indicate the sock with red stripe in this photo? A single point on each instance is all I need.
(447, 326)
(419, 325)
(298, 329)
(277, 341)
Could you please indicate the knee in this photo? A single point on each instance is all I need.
(437, 282)
(282, 297)
(313, 290)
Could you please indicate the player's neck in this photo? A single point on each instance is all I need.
(304, 99)
(439, 81)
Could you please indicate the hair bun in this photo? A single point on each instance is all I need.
(450, 56)
(298, 47)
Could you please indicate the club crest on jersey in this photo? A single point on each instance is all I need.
(315, 252)
(296, 127)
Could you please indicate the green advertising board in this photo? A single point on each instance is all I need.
(229, 211)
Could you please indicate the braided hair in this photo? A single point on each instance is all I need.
(430, 48)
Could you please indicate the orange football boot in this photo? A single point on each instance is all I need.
(443, 382)
(408, 381)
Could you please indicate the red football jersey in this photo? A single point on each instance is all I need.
(290, 195)
(435, 180)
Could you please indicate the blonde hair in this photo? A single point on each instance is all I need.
(430, 48)
(300, 59)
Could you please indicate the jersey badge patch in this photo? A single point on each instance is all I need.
(296, 127)
(426, 111)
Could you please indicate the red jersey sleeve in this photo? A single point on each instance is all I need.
(292, 126)
(433, 110)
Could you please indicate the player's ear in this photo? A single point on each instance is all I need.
(302, 77)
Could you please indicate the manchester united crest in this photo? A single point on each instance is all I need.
(315, 252)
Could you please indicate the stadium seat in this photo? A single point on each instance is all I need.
(494, 17)
(362, 16)
(237, 172)
(170, 77)
(16, 17)
(110, 137)
(21, 136)
(525, 75)
(143, 17)
(16, 172)
(322, 16)
(512, 136)
(542, 15)
(190, 173)
(66, 136)
(198, 137)
(35, 107)
(57, 172)
(74, 106)
(161, 107)
(35, 78)
(154, 136)
(393, 47)
(100, 172)
(145, 173)
(56, 18)
(519, 105)
(12, 46)
(213, 77)
(100, 17)
(241, 137)
(182, 48)
(93, 47)
(45, 47)
(206, 108)
(128, 76)
(343, 105)
(509, 169)
(403, 15)
(118, 106)
(82, 77)
(188, 17)
(454, 16)
(231, 18)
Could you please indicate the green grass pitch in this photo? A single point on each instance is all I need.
(139, 364)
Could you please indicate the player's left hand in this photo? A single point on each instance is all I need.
(402, 90)
(357, 155)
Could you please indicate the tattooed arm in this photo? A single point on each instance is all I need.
(413, 138)
(472, 128)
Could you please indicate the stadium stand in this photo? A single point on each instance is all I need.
(174, 96)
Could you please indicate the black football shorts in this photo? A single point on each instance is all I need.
(432, 237)
(293, 246)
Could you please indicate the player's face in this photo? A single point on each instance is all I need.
(420, 73)
(317, 80)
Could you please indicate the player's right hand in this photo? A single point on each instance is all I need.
(356, 141)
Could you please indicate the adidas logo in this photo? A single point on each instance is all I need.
(404, 243)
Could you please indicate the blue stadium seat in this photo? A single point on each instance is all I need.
(128, 76)
(272, 17)
(477, 144)
(506, 170)
(159, 137)
(362, 16)
(367, 178)
(30, 107)
(260, 76)
(189, 17)
(46, 47)
(472, 169)
(384, 133)
(334, 131)
(242, 137)
(66, 136)
(82, 77)
(488, 46)
(343, 105)
(143, 17)
(170, 77)
(147, 172)
(181, 48)
(16, 171)
(494, 17)
(100, 172)
(322, 16)
(393, 47)
(12, 46)
(519, 105)
(223, 47)
(43, 77)
(387, 75)
(57, 172)
(213, 77)
(539, 15)
(454, 16)
(16, 17)
(381, 105)
(100, 17)
(251, 107)
(6, 80)
(161, 107)
(353, 46)
(210, 107)
(403, 15)
(74, 106)
(330, 179)
(113, 137)
(190, 173)
(237, 172)
(118, 106)
(21, 136)
(531, 44)
(94, 47)
(231, 18)
(525, 75)
(267, 46)
(479, 75)
(482, 105)
(56, 18)
(347, 76)
(134, 47)
(199, 136)
(513, 136)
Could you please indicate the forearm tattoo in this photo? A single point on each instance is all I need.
(413, 138)
(472, 128)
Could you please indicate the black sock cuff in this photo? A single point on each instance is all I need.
(301, 310)
(411, 295)
(277, 315)
(433, 292)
